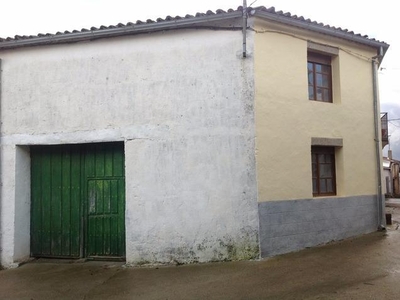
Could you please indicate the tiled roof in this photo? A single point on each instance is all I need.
(174, 22)
(120, 25)
(303, 19)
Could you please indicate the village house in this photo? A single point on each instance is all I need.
(227, 135)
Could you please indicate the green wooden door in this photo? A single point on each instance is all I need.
(65, 182)
(105, 200)
(56, 201)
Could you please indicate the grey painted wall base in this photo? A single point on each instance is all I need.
(287, 226)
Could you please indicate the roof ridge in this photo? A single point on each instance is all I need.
(308, 20)
(19, 40)
(138, 22)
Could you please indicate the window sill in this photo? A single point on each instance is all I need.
(319, 101)
(324, 196)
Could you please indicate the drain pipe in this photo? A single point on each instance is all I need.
(244, 27)
(1, 175)
(375, 61)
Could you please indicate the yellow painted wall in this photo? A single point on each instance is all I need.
(286, 120)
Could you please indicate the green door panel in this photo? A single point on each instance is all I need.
(55, 205)
(78, 200)
(105, 217)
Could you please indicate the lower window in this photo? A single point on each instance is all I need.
(323, 171)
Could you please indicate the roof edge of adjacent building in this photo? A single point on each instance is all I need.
(307, 24)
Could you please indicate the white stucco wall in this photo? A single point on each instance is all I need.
(7, 208)
(22, 204)
(182, 102)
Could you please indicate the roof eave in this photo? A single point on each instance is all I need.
(119, 31)
(321, 29)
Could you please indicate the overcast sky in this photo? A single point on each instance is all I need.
(374, 18)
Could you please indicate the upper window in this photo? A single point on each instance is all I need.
(323, 171)
(319, 77)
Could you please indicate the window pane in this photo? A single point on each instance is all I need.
(310, 66)
(322, 186)
(319, 79)
(314, 170)
(314, 186)
(327, 95)
(329, 185)
(319, 94)
(328, 158)
(318, 67)
(326, 69)
(325, 81)
(310, 78)
(321, 158)
(311, 93)
(325, 171)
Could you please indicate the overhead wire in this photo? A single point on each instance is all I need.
(394, 124)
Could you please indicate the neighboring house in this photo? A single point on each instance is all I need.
(188, 139)
(390, 175)
(391, 170)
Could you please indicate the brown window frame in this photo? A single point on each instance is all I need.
(316, 151)
(320, 65)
